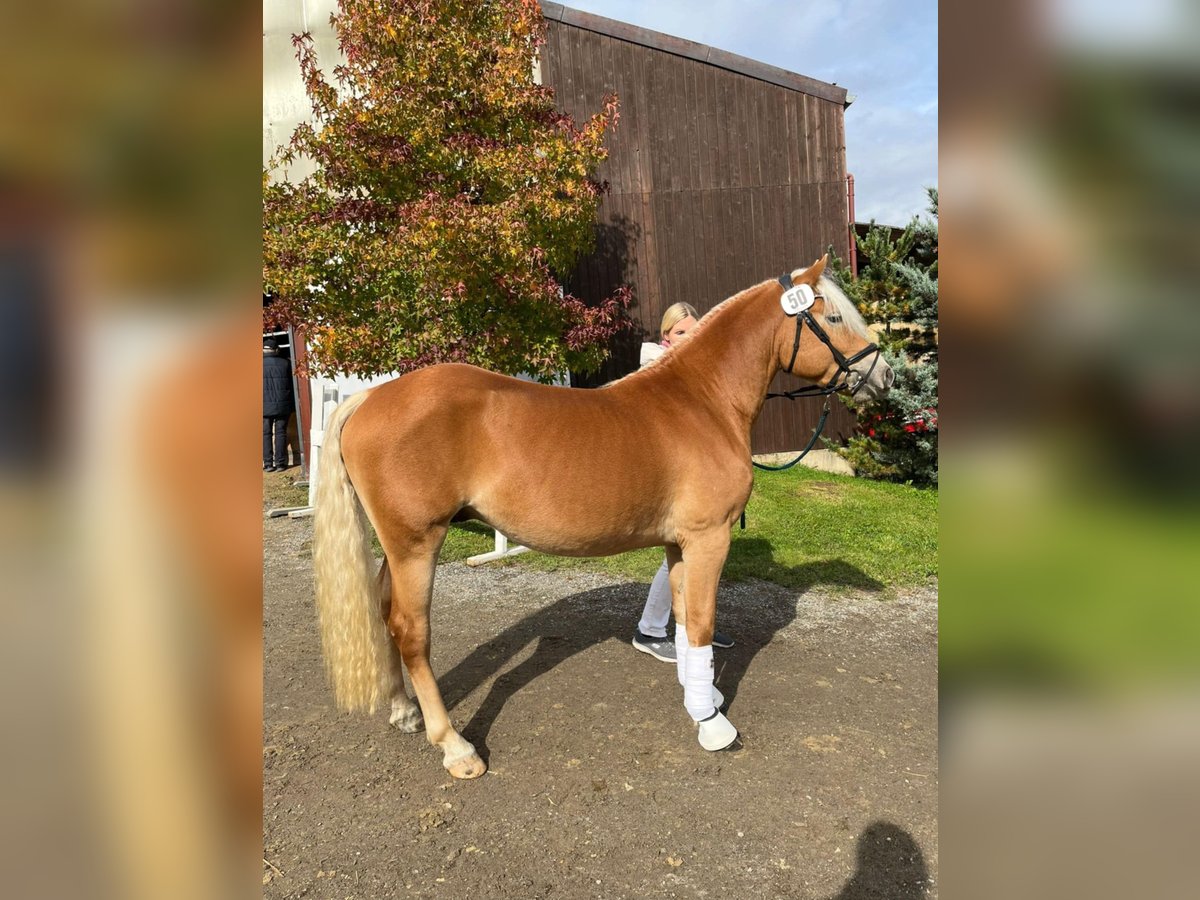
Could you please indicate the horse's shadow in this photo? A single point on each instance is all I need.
(890, 866)
(577, 622)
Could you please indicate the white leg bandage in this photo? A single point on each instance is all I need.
(681, 652)
(698, 688)
(681, 655)
(701, 698)
(703, 702)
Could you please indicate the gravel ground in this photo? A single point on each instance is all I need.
(596, 785)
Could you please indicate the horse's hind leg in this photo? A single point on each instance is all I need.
(405, 713)
(412, 593)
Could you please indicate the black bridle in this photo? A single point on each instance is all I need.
(841, 378)
(839, 381)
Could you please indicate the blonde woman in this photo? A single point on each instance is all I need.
(651, 634)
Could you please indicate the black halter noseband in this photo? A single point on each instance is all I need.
(841, 378)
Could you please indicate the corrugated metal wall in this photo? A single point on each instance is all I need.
(718, 181)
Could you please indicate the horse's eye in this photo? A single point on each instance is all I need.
(835, 319)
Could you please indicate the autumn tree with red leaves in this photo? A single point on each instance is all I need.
(448, 198)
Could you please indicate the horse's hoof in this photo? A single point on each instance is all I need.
(409, 719)
(469, 766)
(718, 698)
(717, 733)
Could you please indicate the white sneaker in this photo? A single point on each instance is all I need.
(660, 648)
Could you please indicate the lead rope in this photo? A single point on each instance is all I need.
(811, 443)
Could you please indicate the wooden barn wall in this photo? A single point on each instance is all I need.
(717, 181)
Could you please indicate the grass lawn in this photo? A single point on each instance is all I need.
(279, 490)
(803, 527)
(1086, 589)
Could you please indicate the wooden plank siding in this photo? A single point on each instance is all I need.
(723, 172)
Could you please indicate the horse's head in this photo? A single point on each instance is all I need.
(822, 338)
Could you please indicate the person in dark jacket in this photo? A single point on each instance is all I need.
(278, 403)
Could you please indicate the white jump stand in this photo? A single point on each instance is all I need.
(502, 550)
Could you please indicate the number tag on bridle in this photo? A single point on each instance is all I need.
(797, 299)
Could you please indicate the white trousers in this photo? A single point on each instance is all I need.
(658, 605)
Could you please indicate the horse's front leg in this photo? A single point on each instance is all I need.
(679, 608)
(703, 559)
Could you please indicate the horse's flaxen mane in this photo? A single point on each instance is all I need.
(837, 303)
(716, 310)
(696, 329)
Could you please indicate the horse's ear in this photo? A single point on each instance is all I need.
(813, 272)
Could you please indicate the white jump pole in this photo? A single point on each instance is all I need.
(502, 550)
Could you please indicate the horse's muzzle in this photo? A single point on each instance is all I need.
(874, 378)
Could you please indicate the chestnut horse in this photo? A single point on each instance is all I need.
(658, 458)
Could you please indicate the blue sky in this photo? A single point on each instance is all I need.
(884, 52)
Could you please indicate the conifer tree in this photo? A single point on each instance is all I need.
(897, 289)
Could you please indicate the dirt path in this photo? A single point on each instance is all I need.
(596, 786)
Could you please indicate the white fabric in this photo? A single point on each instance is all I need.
(698, 687)
(797, 298)
(658, 605)
(681, 653)
(651, 352)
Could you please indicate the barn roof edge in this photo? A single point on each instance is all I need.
(722, 59)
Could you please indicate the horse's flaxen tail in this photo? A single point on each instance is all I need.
(354, 638)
